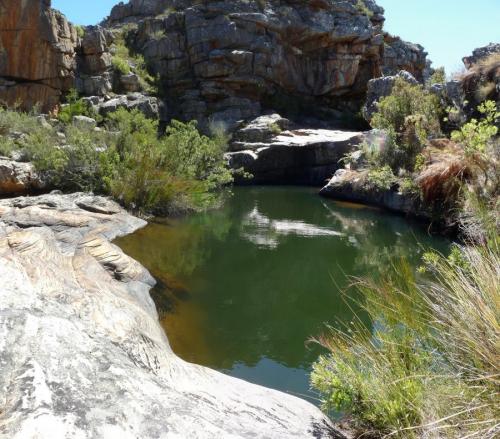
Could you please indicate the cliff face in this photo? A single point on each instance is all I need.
(37, 53)
(228, 60)
(214, 59)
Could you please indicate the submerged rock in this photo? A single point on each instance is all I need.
(82, 353)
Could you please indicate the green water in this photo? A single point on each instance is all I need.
(241, 289)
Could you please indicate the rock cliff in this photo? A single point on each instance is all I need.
(37, 54)
(214, 60)
(82, 353)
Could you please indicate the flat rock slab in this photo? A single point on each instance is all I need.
(304, 156)
(82, 354)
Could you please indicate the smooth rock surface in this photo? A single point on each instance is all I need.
(82, 353)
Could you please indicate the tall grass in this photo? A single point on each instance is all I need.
(428, 363)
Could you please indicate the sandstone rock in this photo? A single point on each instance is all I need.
(84, 121)
(83, 354)
(37, 54)
(232, 59)
(18, 177)
(353, 185)
(134, 101)
(402, 55)
(381, 87)
(480, 54)
(302, 156)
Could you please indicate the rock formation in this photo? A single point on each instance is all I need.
(95, 75)
(215, 60)
(271, 153)
(82, 353)
(18, 178)
(37, 54)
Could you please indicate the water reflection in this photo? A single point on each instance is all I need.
(264, 231)
(241, 289)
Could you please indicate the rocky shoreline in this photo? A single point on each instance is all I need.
(82, 352)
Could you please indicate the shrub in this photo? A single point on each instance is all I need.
(121, 65)
(80, 30)
(182, 170)
(410, 115)
(426, 364)
(382, 178)
(176, 172)
(475, 135)
(438, 77)
(75, 107)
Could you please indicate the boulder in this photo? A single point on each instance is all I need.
(37, 54)
(84, 121)
(130, 83)
(260, 129)
(354, 185)
(301, 156)
(133, 101)
(18, 177)
(83, 354)
(403, 55)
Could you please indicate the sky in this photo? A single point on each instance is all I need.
(448, 29)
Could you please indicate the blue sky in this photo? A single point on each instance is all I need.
(448, 29)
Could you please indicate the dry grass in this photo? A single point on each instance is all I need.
(428, 366)
(445, 171)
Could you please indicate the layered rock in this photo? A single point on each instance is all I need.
(18, 177)
(229, 60)
(402, 55)
(95, 75)
(215, 60)
(270, 153)
(37, 54)
(83, 354)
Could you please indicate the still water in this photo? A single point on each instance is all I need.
(243, 288)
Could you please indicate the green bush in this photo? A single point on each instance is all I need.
(178, 171)
(121, 65)
(426, 364)
(438, 77)
(382, 178)
(75, 107)
(410, 115)
(182, 170)
(80, 30)
(125, 61)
